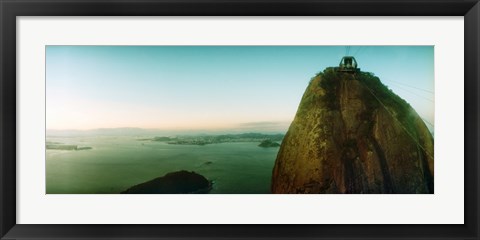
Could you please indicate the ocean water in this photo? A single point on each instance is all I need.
(117, 163)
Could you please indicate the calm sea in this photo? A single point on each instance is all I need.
(117, 163)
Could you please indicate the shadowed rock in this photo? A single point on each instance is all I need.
(268, 143)
(175, 182)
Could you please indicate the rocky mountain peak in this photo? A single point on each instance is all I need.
(351, 134)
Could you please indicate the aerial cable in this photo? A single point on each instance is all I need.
(358, 50)
(427, 122)
(361, 50)
(408, 91)
(411, 86)
(401, 125)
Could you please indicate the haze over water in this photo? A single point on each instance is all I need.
(117, 163)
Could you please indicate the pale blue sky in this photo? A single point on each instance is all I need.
(198, 87)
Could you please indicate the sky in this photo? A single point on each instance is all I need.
(212, 87)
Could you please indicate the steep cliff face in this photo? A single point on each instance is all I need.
(351, 134)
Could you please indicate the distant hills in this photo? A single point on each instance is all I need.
(103, 131)
(157, 132)
(204, 139)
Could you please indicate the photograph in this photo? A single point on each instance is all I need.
(199, 119)
(221, 119)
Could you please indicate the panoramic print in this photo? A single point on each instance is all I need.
(239, 120)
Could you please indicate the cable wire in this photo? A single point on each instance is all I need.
(411, 86)
(388, 111)
(428, 99)
(427, 122)
(358, 50)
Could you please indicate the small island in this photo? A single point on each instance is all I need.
(173, 183)
(268, 143)
(162, 139)
(68, 147)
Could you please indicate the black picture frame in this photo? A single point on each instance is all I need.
(10, 9)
